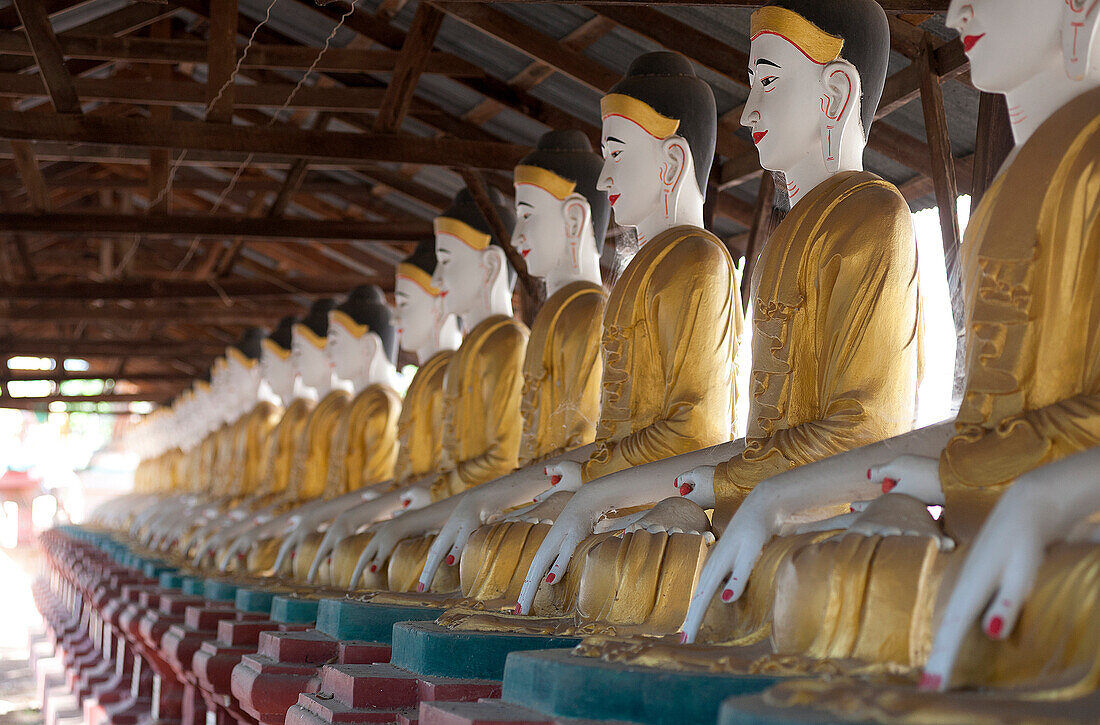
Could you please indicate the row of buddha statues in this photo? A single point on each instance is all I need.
(579, 477)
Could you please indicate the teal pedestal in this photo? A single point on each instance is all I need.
(345, 619)
(752, 710)
(254, 600)
(219, 591)
(425, 648)
(292, 610)
(561, 684)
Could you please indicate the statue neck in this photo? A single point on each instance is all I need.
(496, 300)
(446, 336)
(377, 370)
(585, 268)
(806, 175)
(685, 207)
(1040, 97)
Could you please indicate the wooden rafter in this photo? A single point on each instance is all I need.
(47, 54)
(411, 63)
(304, 287)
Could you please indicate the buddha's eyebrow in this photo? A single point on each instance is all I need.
(616, 140)
(524, 203)
(765, 61)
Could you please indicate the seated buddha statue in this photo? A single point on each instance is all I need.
(673, 319)
(249, 436)
(483, 380)
(836, 333)
(296, 403)
(362, 345)
(1031, 252)
(561, 220)
(309, 469)
(431, 334)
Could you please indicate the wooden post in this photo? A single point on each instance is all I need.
(762, 224)
(221, 57)
(943, 179)
(993, 143)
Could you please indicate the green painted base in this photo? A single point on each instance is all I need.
(345, 619)
(220, 591)
(752, 710)
(292, 610)
(194, 586)
(254, 600)
(559, 683)
(425, 648)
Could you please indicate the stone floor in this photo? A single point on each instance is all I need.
(17, 618)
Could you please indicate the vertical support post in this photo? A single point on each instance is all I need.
(992, 145)
(221, 57)
(946, 187)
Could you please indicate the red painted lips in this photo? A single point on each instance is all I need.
(970, 41)
(613, 198)
(525, 252)
(757, 135)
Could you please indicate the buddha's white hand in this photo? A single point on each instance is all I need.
(338, 530)
(1000, 569)
(468, 515)
(898, 514)
(697, 485)
(413, 498)
(387, 534)
(301, 526)
(562, 476)
(573, 525)
(733, 557)
(916, 476)
(239, 548)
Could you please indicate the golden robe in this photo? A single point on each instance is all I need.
(1031, 274)
(368, 438)
(420, 425)
(282, 448)
(562, 371)
(482, 388)
(836, 332)
(254, 446)
(419, 454)
(670, 336)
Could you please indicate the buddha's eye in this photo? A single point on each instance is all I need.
(767, 81)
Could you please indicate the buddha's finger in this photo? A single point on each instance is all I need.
(435, 556)
(565, 554)
(1016, 582)
(969, 596)
(717, 566)
(288, 546)
(540, 564)
(361, 564)
(318, 558)
(747, 555)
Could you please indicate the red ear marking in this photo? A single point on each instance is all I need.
(888, 485)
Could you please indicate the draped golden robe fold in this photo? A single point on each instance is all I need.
(561, 396)
(481, 396)
(316, 447)
(254, 443)
(671, 330)
(368, 438)
(420, 425)
(836, 332)
(282, 448)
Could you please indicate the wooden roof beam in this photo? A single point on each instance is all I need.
(179, 290)
(892, 6)
(47, 54)
(67, 347)
(411, 63)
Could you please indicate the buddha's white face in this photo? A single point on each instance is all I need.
(417, 316)
(278, 372)
(541, 234)
(310, 362)
(633, 167)
(1009, 41)
(784, 107)
(241, 381)
(348, 353)
(461, 273)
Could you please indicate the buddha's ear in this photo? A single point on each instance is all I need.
(492, 261)
(841, 91)
(577, 215)
(1080, 37)
(675, 157)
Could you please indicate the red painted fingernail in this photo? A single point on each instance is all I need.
(868, 474)
(555, 480)
(996, 624)
(888, 485)
(292, 555)
(851, 509)
(373, 568)
(928, 681)
(405, 504)
(686, 488)
(420, 586)
(240, 556)
(518, 610)
(550, 578)
(450, 560)
(546, 471)
(683, 637)
(727, 595)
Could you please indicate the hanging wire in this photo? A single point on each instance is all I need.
(193, 249)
